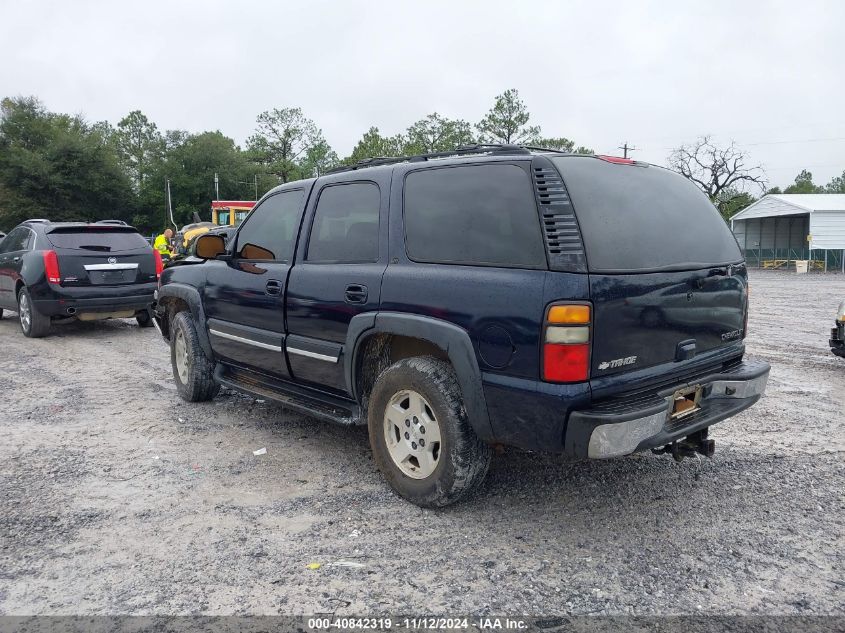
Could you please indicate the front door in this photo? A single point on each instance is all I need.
(337, 275)
(244, 295)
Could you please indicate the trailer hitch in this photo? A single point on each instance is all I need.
(689, 446)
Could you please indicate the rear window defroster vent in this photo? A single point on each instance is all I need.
(564, 246)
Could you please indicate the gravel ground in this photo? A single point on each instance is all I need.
(116, 498)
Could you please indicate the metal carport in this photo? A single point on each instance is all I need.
(780, 228)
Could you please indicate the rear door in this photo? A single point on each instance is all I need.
(667, 279)
(244, 296)
(12, 249)
(338, 273)
(101, 255)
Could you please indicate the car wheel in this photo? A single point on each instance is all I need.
(33, 323)
(144, 319)
(193, 371)
(421, 439)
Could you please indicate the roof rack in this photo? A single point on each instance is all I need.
(464, 150)
(36, 221)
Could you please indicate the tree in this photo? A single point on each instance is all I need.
(720, 172)
(374, 145)
(435, 133)
(804, 184)
(319, 159)
(57, 166)
(507, 122)
(139, 144)
(282, 140)
(836, 185)
(732, 201)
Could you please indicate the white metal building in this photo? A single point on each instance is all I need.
(793, 226)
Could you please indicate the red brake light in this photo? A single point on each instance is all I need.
(566, 363)
(159, 263)
(616, 159)
(51, 267)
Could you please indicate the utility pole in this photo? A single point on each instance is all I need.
(625, 148)
(255, 179)
(216, 187)
(170, 204)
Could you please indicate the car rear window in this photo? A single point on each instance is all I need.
(474, 214)
(639, 219)
(96, 239)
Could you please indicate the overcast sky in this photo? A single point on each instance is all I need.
(657, 74)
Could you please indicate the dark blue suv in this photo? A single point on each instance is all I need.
(588, 305)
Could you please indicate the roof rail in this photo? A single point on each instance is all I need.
(476, 148)
(36, 221)
(116, 222)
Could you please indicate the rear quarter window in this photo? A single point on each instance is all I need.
(90, 239)
(641, 219)
(474, 215)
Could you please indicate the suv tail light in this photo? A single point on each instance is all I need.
(159, 263)
(51, 267)
(566, 343)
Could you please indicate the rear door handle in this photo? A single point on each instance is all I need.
(273, 288)
(356, 293)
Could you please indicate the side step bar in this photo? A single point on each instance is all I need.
(313, 403)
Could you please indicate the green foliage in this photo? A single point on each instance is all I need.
(282, 143)
(507, 122)
(836, 185)
(731, 201)
(804, 184)
(373, 145)
(57, 166)
(437, 134)
(61, 167)
(139, 146)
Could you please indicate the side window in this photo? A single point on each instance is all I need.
(270, 231)
(17, 240)
(345, 226)
(474, 214)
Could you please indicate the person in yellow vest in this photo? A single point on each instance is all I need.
(162, 242)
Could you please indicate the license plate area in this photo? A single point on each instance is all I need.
(685, 401)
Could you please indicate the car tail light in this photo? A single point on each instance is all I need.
(51, 267)
(159, 263)
(566, 343)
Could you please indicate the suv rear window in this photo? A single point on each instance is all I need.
(474, 214)
(640, 219)
(96, 239)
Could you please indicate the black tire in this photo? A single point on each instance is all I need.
(33, 323)
(194, 381)
(144, 319)
(463, 459)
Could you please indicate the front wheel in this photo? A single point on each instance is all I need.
(421, 439)
(33, 323)
(192, 369)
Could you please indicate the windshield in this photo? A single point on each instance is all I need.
(643, 218)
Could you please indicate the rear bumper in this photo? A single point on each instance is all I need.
(837, 339)
(627, 424)
(68, 301)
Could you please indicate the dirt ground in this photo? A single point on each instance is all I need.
(116, 497)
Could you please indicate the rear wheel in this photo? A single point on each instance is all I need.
(193, 371)
(144, 319)
(421, 439)
(33, 323)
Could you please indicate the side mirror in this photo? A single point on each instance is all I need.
(210, 246)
